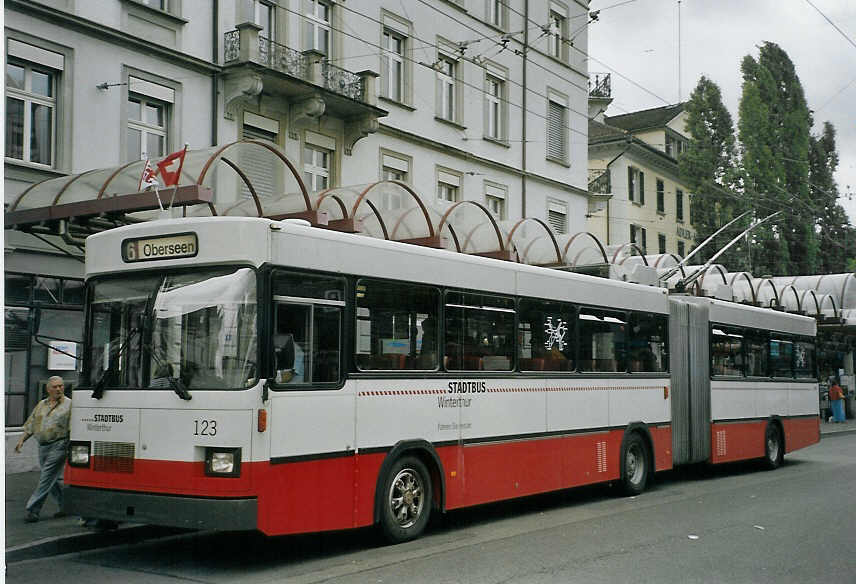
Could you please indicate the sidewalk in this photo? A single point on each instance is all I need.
(830, 429)
(50, 536)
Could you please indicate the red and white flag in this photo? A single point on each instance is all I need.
(149, 178)
(170, 167)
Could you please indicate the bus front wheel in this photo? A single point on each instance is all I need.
(634, 465)
(407, 500)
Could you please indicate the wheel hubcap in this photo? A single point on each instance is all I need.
(773, 445)
(633, 464)
(406, 498)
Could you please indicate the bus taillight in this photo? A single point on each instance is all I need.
(262, 425)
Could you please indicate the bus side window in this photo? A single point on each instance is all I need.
(396, 326)
(307, 328)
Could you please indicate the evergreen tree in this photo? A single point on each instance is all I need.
(837, 237)
(761, 167)
(707, 168)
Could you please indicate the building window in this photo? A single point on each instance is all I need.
(316, 167)
(557, 131)
(264, 15)
(447, 91)
(157, 4)
(639, 236)
(679, 204)
(316, 27)
(495, 108)
(635, 185)
(494, 198)
(661, 243)
(147, 128)
(661, 197)
(31, 112)
(449, 186)
(681, 248)
(392, 66)
(558, 26)
(675, 146)
(497, 11)
(394, 166)
(557, 216)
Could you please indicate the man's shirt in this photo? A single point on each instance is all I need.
(49, 422)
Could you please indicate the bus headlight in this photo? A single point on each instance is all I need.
(223, 462)
(78, 454)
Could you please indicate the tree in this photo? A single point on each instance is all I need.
(775, 125)
(836, 235)
(707, 166)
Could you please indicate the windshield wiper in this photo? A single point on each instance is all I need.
(101, 384)
(175, 383)
(179, 388)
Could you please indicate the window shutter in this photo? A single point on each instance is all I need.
(557, 217)
(644, 240)
(257, 168)
(556, 131)
(641, 188)
(629, 183)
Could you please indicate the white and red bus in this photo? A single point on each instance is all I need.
(242, 373)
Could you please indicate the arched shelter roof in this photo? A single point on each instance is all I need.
(766, 293)
(383, 209)
(583, 249)
(742, 287)
(246, 178)
(470, 228)
(534, 241)
(790, 298)
(809, 302)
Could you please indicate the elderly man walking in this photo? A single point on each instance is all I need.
(49, 423)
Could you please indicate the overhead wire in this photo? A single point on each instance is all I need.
(463, 83)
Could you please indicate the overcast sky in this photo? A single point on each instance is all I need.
(639, 40)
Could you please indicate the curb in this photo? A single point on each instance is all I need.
(838, 433)
(84, 541)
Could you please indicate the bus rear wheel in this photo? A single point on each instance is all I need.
(774, 451)
(634, 465)
(407, 499)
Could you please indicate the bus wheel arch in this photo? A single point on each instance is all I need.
(423, 452)
(774, 443)
(637, 448)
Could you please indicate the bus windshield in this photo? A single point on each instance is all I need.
(194, 330)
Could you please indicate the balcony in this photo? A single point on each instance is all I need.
(600, 85)
(306, 80)
(600, 190)
(599, 182)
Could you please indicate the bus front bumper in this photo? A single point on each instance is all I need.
(167, 510)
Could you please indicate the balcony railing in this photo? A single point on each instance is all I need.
(341, 81)
(283, 59)
(599, 182)
(309, 66)
(600, 85)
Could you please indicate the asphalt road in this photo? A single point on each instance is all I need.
(732, 524)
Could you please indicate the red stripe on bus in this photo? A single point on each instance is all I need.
(339, 493)
(801, 432)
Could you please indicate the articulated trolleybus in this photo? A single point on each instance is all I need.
(242, 373)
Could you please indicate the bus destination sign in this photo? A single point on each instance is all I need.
(167, 247)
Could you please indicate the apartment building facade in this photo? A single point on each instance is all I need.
(474, 100)
(636, 193)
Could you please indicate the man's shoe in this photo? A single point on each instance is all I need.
(31, 518)
(60, 515)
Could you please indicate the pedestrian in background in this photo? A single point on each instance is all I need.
(49, 423)
(836, 399)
